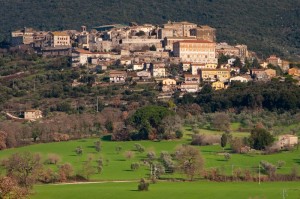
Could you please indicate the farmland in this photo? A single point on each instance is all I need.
(191, 190)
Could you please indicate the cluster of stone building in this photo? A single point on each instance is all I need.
(147, 52)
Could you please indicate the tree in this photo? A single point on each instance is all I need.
(190, 161)
(79, 150)
(143, 185)
(260, 138)
(221, 121)
(98, 146)
(171, 124)
(65, 172)
(236, 145)
(109, 126)
(88, 169)
(255, 64)
(24, 167)
(152, 48)
(9, 189)
(223, 140)
(237, 62)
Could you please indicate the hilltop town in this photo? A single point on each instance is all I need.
(173, 89)
(177, 56)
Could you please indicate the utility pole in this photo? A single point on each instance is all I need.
(259, 174)
(97, 104)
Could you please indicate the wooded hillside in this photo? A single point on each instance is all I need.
(265, 26)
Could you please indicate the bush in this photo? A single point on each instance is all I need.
(178, 134)
(227, 156)
(143, 185)
(202, 140)
(53, 159)
(129, 155)
(139, 148)
(269, 168)
(135, 166)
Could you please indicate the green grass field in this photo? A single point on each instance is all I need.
(117, 167)
(174, 190)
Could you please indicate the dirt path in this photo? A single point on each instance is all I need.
(98, 182)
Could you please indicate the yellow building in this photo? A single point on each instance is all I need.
(215, 74)
(196, 51)
(169, 82)
(270, 73)
(60, 39)
(294, 71)
(218, 85)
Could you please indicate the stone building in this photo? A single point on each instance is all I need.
(205, 33)
(196, 51)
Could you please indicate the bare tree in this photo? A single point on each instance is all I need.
(190, 161)
(221, 121)
(24, 167)
(10, 189)
(170, 125)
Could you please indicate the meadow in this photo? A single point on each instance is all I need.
(117, 166)
(174, 190)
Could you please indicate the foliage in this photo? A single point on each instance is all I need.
(143, 185)
(79, 150)
(11, 190)
(221, 121)
(190, 161)
(98, 146)
(135, 166)
(223, 140)
(272, 96)
(279, 35)
(260, 138)
(23, 167)
(138, 147)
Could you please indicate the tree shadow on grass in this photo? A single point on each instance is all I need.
(90, 147)
(121, 160)
(128, 170)
(296, 161)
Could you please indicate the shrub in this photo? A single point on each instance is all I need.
(79, 150)
(53, 159)
(280, 163)
(135, 166)
(227, 156)
(236, 145)
(202, 140)
(139, 148)
(178, 134)
(129, 155)
(65, 172)
(269, 168)
(151, 155)
(143, 185)
(167, 162)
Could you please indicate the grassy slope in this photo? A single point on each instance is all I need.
(207, 190)
(266, 26)
(118, 168)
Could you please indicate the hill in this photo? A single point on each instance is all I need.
(265, 26)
